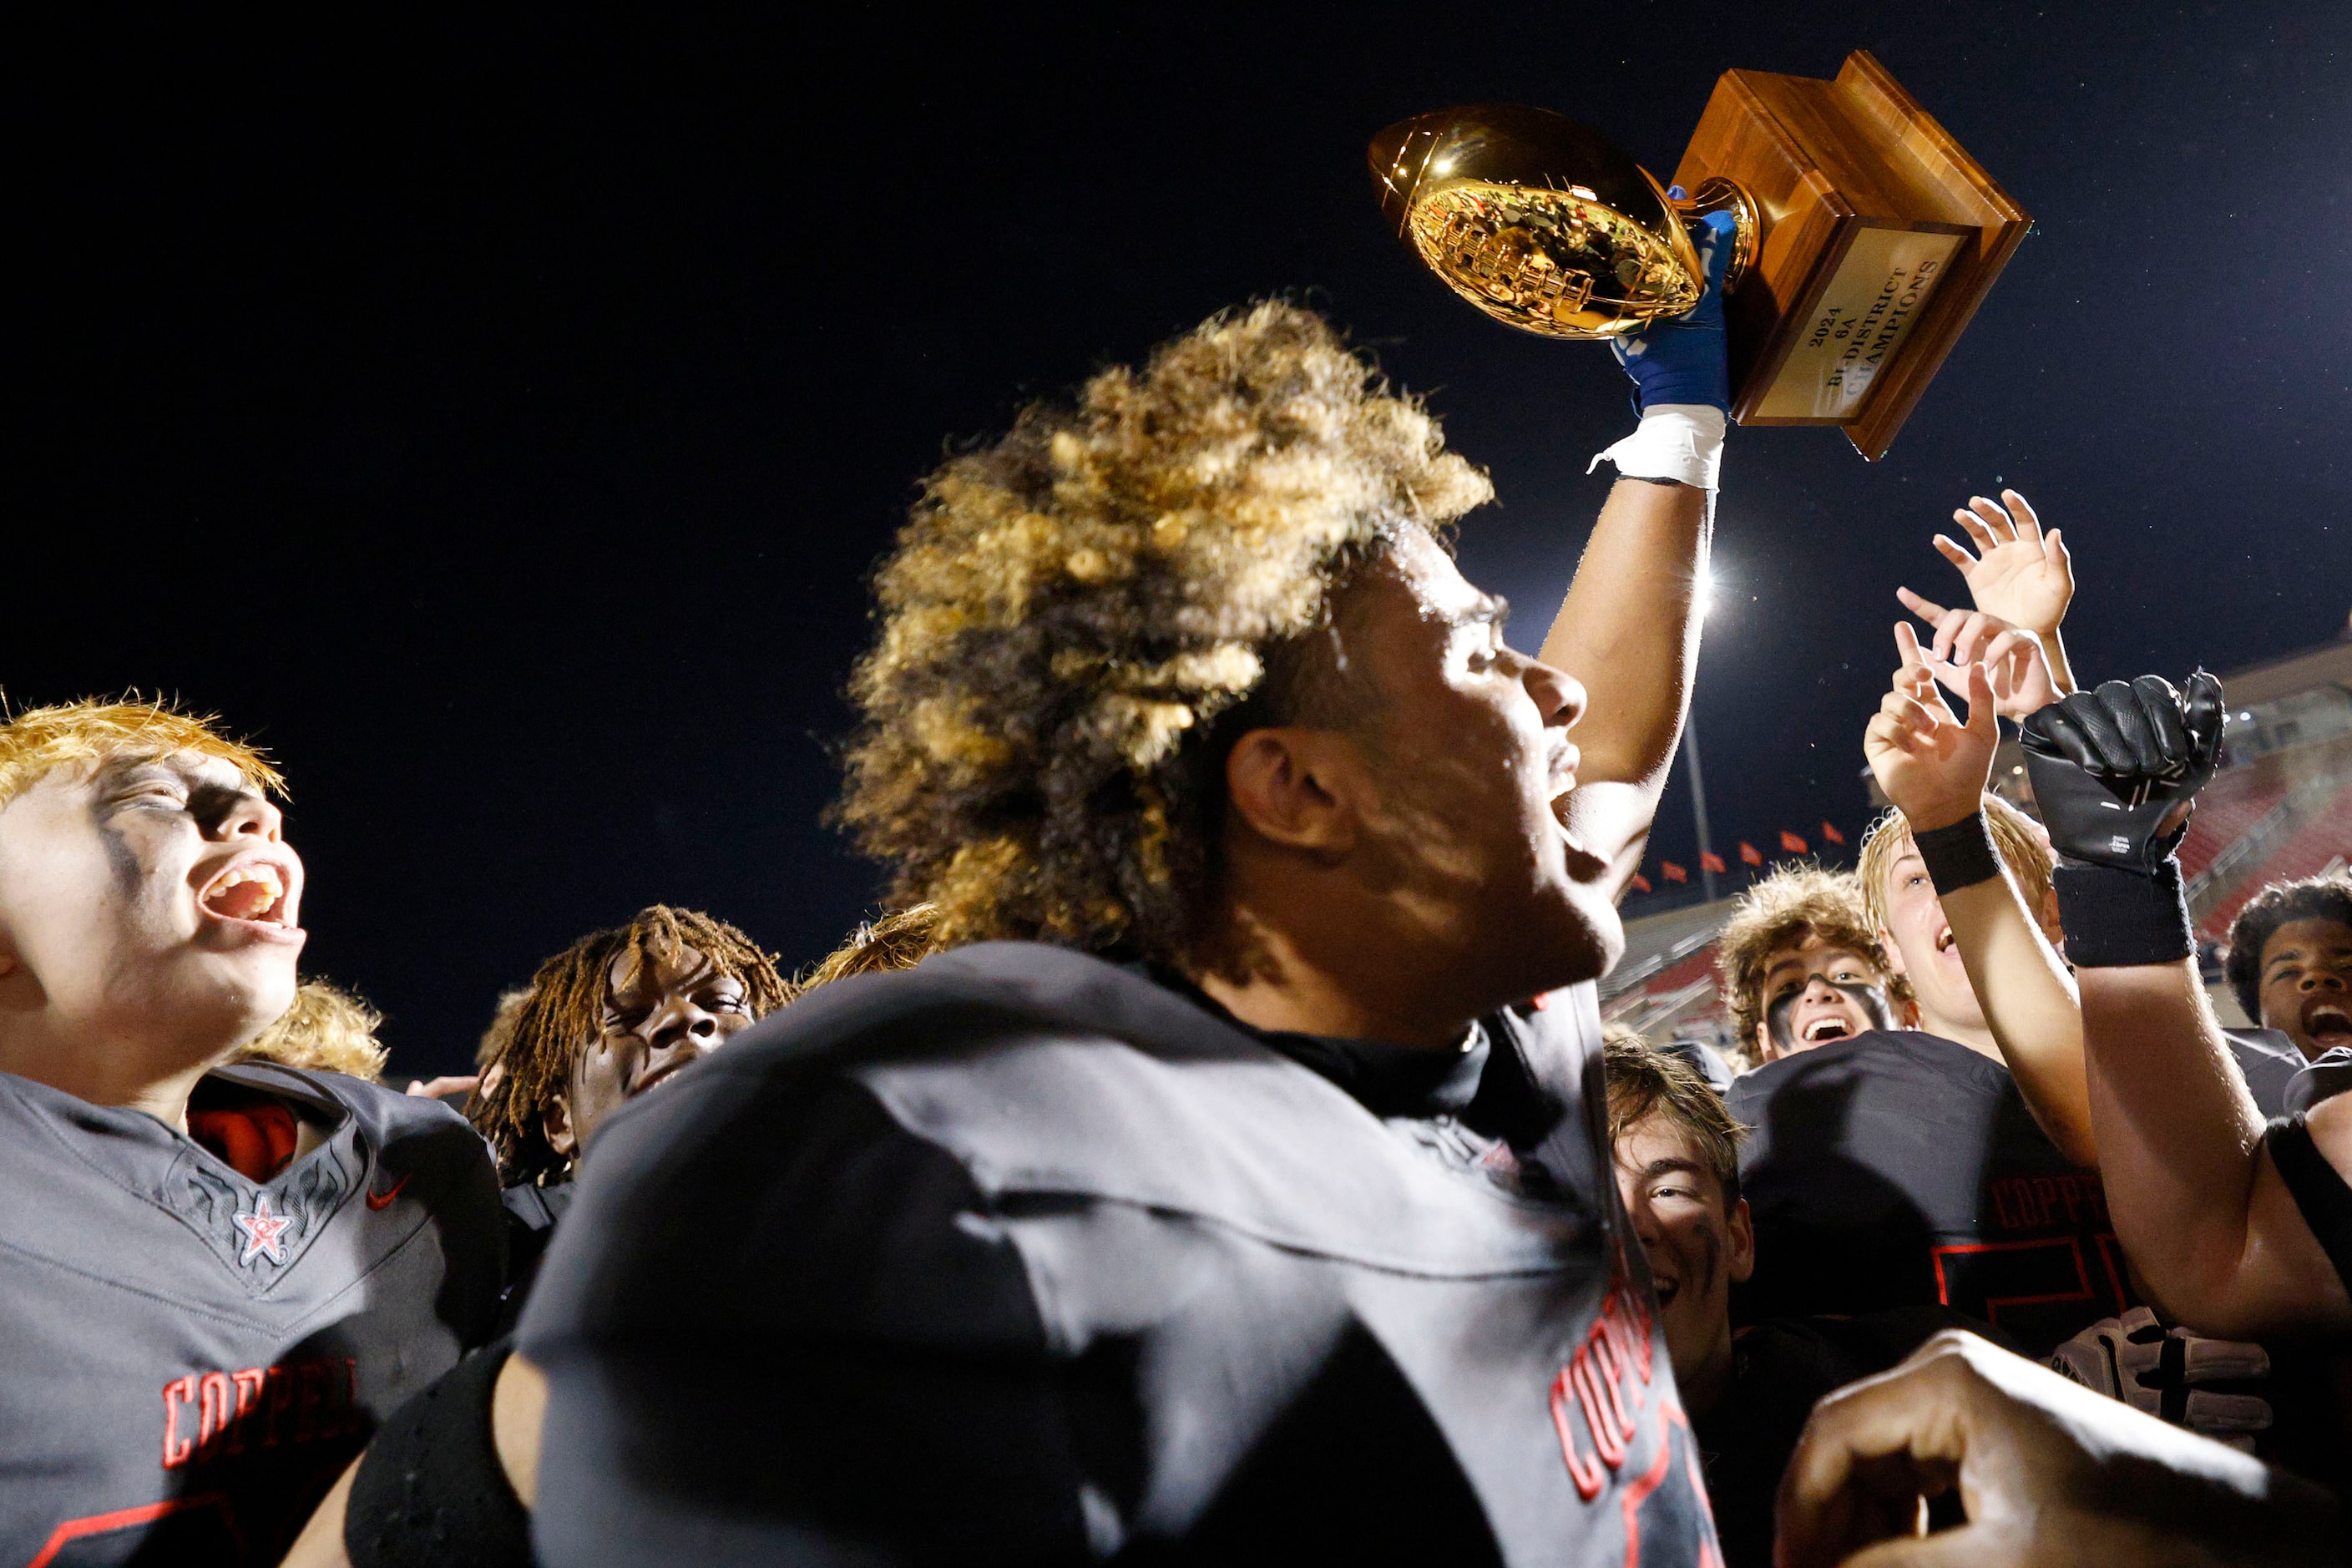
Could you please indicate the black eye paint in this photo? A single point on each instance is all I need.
(121, 858)
(1870, 998)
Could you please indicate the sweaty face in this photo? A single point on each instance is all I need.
(659, 1018)
(2306, 979)
(1695, 1246)
(1476, 766)
(1814, 994)
(151, 904)
(1923, 948)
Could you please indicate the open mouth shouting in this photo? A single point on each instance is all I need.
(1823, 1030)
(2329, 1024)
(255, 893)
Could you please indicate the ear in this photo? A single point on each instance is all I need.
(1297, 788)
(1766, 1050)
(555, 1121)
(1742, 1229)
(1894, 952)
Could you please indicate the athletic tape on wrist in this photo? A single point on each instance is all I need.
(1678, 441)
(2114, 918)
(1959, 856)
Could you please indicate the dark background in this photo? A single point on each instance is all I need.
(497, 420)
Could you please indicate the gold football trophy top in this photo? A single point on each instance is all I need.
(1544, 224)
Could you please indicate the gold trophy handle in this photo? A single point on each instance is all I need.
(1722, 194)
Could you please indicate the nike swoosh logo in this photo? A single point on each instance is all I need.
(384, 1202)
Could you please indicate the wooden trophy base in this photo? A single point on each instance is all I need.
(1881, 237)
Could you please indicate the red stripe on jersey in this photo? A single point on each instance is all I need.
(74, 1529)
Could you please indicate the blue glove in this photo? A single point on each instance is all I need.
(1682, 360)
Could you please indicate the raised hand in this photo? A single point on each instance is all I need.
(1932, 764)
(1681, 360)
(2019, 573)
(2116, 771)
(2015, 659)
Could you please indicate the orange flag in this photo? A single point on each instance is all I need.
(1672, 872)
(1831, 834)
(1751, 854)
(1710, 860)
(1641, 884)
(1791, 843)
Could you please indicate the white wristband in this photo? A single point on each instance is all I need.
(1678, 441)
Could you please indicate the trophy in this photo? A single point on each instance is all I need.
(1863, 236)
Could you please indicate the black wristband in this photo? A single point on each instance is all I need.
(2114, 918)
(1959, 856)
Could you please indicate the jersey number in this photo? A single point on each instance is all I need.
(2032, 1288)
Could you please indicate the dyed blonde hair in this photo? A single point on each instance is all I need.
(899, 940)
(1068, 610)
(1786, 910)
(2016, 837)
(328, 1029)
(87, 732)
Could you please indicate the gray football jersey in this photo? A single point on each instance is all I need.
(191, 1357)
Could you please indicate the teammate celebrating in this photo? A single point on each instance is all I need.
(2236, 1228)
(1240, 1207)
(1802, 964)
(2290, 962)
(613, 1015)
(218, 1279)
(1905, 1168)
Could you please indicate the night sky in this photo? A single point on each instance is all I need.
(498, 423)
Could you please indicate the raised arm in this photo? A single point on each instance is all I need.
(1933, 767)
(2197, 1199)
(2018, 575)
(1628, 630)
(1629, 626)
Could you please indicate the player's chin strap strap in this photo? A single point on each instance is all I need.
(1676, 442)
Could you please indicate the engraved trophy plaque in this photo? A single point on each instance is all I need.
(1865, 237)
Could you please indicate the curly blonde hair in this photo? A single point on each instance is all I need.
(1786, 910)
(328, 1029)
(1069, 611)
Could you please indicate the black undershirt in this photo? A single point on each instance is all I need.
(2324, 1196)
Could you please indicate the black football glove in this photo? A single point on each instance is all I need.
(2115, 770)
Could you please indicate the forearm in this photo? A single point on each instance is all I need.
(2178, 1135)
(1629, 629)
(2030, 1006)
(2062, 671)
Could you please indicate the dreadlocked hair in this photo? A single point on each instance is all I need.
(900, 940)
(1068, 611)
(563, 1012)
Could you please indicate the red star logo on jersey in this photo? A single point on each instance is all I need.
(263, 1232)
